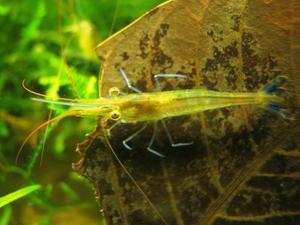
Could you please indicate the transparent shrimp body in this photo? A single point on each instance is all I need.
(154, 107)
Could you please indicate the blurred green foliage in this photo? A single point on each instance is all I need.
(5, 200)
(40, 41)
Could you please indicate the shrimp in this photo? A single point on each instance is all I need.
(154, 107)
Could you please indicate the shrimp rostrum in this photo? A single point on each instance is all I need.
(154, 107)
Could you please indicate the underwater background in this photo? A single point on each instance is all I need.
(40, 41)
(243, 166)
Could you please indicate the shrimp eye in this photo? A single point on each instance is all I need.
(115, 115)
(114, 91)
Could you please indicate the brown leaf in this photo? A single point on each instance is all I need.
(244, 165)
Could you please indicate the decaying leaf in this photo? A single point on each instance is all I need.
(244, 165)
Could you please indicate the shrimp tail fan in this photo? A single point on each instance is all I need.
(277, 103)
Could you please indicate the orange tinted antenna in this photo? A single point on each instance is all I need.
(73, 113)
(31, 91)
(42, 95)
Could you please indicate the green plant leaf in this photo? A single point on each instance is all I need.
(18, 194)
(5, 216)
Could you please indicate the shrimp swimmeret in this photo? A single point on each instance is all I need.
(157, 106)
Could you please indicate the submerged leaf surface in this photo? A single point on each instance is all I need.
(244, 165)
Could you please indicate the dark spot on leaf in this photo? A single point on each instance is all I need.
(290, 145)
(275, 220)
(236, 22)
(106, 187)
(160, 33)
(104, 166)
(222, 60)
(280, 164)
(144, 44)
(210, 65)
(210, 33)
(283, 188)
(257, 69)
(215, 34)
(187, 84)
(161, 59)
(260, 129)
(125, 56)
(141, 84)
(165, 27)
(231, 50)
(258, 202)
(210, 82)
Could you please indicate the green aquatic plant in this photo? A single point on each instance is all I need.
(44, 42)
(5, 216)
(11, 197)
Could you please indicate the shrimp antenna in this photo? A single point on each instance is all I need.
(42, 95)
(132, 179)
(72, 113)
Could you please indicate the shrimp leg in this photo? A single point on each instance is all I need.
(157, 76)
(149, 148)
(128, 82)
(171, 139)
(112, 127)
(133, 136)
